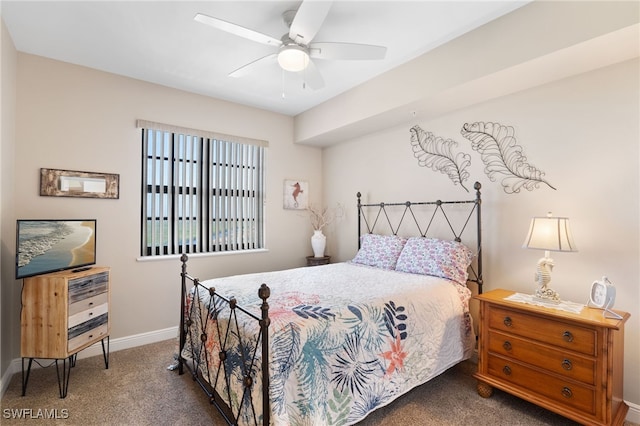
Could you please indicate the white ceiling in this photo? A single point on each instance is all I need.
(159, 42)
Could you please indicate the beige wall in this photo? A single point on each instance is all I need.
(75, 118)
(582, 132)
(7, 223)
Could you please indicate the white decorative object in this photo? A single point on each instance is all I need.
(549, 234)
(543, 277)
(318, 243)
(319, 218)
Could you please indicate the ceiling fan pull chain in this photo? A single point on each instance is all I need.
(304, 79)
(282, 74)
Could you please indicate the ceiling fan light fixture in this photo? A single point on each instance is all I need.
(293, 58)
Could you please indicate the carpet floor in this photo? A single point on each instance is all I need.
(137, 389)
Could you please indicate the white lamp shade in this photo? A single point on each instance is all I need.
(550, 233)
(293, 58)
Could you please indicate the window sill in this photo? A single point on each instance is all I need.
(195, 255)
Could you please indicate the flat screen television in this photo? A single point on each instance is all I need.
(44, 246)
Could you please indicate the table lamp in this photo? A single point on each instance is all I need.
(549, 234)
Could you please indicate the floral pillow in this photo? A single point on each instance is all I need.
(440, 258)
(380, 251)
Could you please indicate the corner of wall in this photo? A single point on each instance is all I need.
(8, 76)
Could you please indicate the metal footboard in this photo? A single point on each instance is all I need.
(237, 357)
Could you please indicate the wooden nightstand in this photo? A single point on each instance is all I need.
(62, 314)
(315, 261)
(568, 363)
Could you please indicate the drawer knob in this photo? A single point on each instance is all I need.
(567, 336)
(566, 392)
(566, 364)
(506, 370)
(507, 345)
(507, 321)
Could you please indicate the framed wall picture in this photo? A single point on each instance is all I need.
(70, 183)
(296, 194)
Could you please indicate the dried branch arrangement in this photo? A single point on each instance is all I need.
(323, 216)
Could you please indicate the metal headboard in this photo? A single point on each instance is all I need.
(380, 211)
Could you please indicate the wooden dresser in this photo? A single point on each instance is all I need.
(568, 363)
(63, 313)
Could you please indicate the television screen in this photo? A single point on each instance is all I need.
(44, 246)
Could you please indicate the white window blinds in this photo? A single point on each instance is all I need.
(202, 192)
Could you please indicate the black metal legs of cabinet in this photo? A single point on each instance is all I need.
(63, 369)
(25, 378)
(105, 354)
(67, 363)
(63, 374)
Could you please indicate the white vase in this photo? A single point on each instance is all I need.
(318, 243)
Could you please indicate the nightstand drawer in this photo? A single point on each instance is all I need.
(554, 388)
(555, 333)
(561, 362)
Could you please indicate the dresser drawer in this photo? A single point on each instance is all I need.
(545, 330)
(554, 388)
(89, 286)
(89, 336)
(89, 303)
(562, 362)
(87, 315)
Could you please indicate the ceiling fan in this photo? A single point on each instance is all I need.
(296, 48)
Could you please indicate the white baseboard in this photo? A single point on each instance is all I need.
(96, 349)
(633, 415)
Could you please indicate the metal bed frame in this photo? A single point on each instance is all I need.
(438, 211)
(249, 350)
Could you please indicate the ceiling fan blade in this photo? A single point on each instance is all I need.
(312, 76)
(237, 30)
(308, 19)
(348, 51)
(252, 66)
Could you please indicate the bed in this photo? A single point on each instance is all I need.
(329, 344)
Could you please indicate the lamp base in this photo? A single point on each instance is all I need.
(547, 295)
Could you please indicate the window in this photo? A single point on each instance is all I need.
(201, 192)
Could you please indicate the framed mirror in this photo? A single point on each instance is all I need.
(70, 183)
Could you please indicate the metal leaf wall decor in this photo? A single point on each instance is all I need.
(501, 155)
(437, 153)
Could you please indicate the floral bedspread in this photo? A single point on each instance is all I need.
(345, 339)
